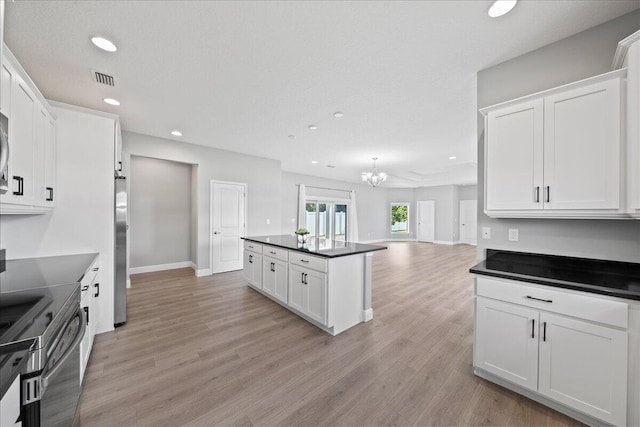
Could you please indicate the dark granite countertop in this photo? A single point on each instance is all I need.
(613, 278)
(28, 273)
(324, 248)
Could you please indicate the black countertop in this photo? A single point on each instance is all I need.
(29, 273)
(613, 278)
(324, 247)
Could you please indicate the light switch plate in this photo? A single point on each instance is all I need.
(486, 232)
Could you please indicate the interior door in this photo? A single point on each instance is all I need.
(427, 221)
(227, 226)
(468, 221)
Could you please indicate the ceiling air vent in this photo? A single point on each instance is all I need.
(102, 78)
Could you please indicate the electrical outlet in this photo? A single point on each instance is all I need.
(268, 221)
(513, 234)
(486, 232)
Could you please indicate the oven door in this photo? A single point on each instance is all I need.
(60, 379)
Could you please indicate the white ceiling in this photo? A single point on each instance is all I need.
(242, 76)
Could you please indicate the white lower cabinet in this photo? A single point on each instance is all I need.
(252, 265)
(89, 294)
(507, 341)
(584, 366)
(274, 278)
(576, 362)
(308, 292)
(10, 406)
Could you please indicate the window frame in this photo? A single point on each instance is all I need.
(408, 230)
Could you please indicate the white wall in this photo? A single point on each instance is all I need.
(263, 177)
(82, 220)
(468, 192)
(159, 212)
(583, 55)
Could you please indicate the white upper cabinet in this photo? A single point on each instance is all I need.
(558, 153)
(514, 157)
(582, 147)
(31, 169)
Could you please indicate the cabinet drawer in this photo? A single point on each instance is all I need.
(563, 302)
(253, 247)
(313, 262)
(277, 253)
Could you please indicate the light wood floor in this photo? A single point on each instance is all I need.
(210, 351)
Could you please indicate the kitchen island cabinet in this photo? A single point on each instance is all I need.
(327, 283)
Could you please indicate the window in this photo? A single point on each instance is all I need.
(327, 219)
(399, 217)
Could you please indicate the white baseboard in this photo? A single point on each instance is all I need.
(444, 242)
(128, 283)
(159, 267)
(203, 272)
(368, 314)
(387, 240)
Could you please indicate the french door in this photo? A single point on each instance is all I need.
(327, 220)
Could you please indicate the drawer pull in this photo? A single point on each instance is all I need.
(539, 299)
(272, 252)
(533, 328)
(304, 260)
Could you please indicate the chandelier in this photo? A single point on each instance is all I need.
(374, 178)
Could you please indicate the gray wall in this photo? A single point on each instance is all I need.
(160, 212)
(263, 178)
(447, 210)
(468, 192)
(583, 55)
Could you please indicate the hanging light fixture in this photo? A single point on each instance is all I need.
(374, 178)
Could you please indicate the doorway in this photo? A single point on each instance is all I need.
(469, 221)
(228, 210)
(426, 221)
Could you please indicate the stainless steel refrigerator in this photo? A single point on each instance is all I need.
(120, 261)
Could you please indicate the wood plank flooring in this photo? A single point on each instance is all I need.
(210, 351)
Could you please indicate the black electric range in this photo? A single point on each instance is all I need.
(37, 298)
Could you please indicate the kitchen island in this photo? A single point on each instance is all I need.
(326, 282)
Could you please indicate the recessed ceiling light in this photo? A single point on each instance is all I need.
(111, 101)
(452, 157)
(314, 162)
(313, 127)
(104, 44)
(338, 114)
(176, 133)
(501, 7)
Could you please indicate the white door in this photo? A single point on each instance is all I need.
(584, 366)
(507, 341)
(468, 221)
(514, 157)
(582, 148)
(427, 221)
(227, 226)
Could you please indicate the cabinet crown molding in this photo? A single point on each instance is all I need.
(622, 49)
(621, 73)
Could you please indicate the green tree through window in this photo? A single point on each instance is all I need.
(400, 218)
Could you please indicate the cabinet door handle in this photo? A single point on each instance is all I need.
(533, 328)
(49, 318)
(539, 299)
(86, 312)
(273, 267)
(538, 194)
(119, 166)
(302, 278)
(544, 331)
(306, 279)
(548, 194)
(251, 259)
(20, 191)
(97, 287)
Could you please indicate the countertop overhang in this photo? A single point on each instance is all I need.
(324, 247)
(612, 278)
